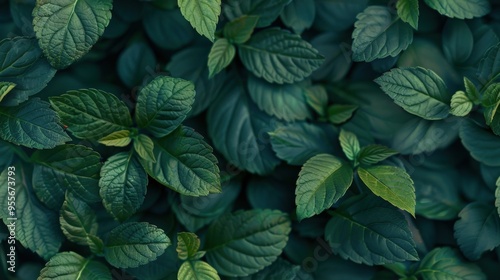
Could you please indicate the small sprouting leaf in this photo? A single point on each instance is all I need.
(134, 244)
(349, 143)
(338, 114)
(202, 14)
(120, 138)
(240, 29)
(144, 147)
(378, 34)
(392, 184)
(197, 270)
(374, 153)
(408, 12)
(323, 180)
(460, 104)
(70, 265)
(418, 90)
(5, 88)
(67, 30)
(220, 56)
(78, 221)
(445, 263)
(188, 245)
(462, 9)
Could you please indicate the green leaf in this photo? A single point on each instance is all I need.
(461, 9)
(184, 163)
(280, 269)
(497, 196)
(287, 102)
(478, 229)
(279, 56)
(163, 104)
(323, 180)
(378, 34)
(240, 29)
(5, 88)
(122, 185)
(458, 41)
(197, 270)
(32, 124)
(491, 102)
(445, 263)
(67, 29)
(70, 265)
(220, 56)
(460, 104)
(253, 239)
(418, 90)
(471, 91)
(144, 147)
(119, 138)
(386, 237)
(267, 10)
(188, 245)
(167, 28)
(202, 14)
(483, 145)
(488, 71)
(392, 184)
(135, 63)
(408, 12)
(349, 143)
(338, 114)
(317, 98)
(133, 244)
(374, 153)
(299, 15)
(91, 113)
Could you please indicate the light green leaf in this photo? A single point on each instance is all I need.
(378, 34)
(220, 56)
(408, 12)
(299, 15)
(374, 153)
(120, 138)
(91, 113)
(418, 90)
(267, 10)
(460, 104)
(279, 56)
(71, 266)
(32, 124)
(197, 270)
(184, 163)
(240, 29)
(122, 185)
(338, 114)
(349, 143)
(445, 263)
(471, 90)
(317, 98)
(392, 184)
(5, 88)
(67, 29)
(163, 104)
(188, 244)
(461, 9)
(144, 147)
(323, 180)
(253, 239)
(478, 229)
(133, 244)
(386, 237)
(483, 145)
(202, 14)
(78, 221)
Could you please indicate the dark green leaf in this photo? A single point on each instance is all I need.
(299, 15)
(483, 145)
(240, 29)
(445, 263)
(280, 269)
(488, 71)
(266, 10)
(337, 52)
(458, 41)
(135, 63)
(220, 56)
(337, 15)
(408, 12)
(317, 98)
(491, 102)
(168, 29)
(374, 153)
(202, 14)
(70, 265)
(461, 9)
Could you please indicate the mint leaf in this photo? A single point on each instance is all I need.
(488, 71)
(460, 104)
(220, 56)
(70, 265)
(254, 239)
(5, 88)
(482, 144)
(122, 185)
(418, 90)
(163, 104)
(197, 270)
(445, 263)
(323, 180)
(392, 184)
(317, 98)
(91, 113)
(119, 138)
(240, 29)
(144, 147)
(299, 15)
(188, 244)
(338, 114)
(458, 41)
(408, 12)
(135, 63)
(491, 102)
(67, 29)
(133, 244)
(461, 9)
(386, 236)
(349, 143)
(267, 10)
(202, 14)
(168, 28)
(374, 153)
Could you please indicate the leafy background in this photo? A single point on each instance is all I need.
(277, 139)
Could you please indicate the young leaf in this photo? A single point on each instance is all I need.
(163, 105)
(445, 263)
(460, 104)
(461, 9)
(202, 14)
(70, 265)
(184, 163)
(119, 138)
(373, 154)
(279, 56)
(67, 30)
(5, 88)
(481, 143)
(32, 124)
(134, 244)
(91, 113)
(478, 229)
(122, 185)
(239, 30)
(418, 90)
(471, 91)
(408, 12)
(338, 114)
(267, 10)
(392, 184)
(377, 34)
(197, 270)
(144, 147)
(188, 244)
(386, 237)
(349, 143)
(323, 180)
(254, 239)
(220, 56)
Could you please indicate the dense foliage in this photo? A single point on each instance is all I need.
(250, 139)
